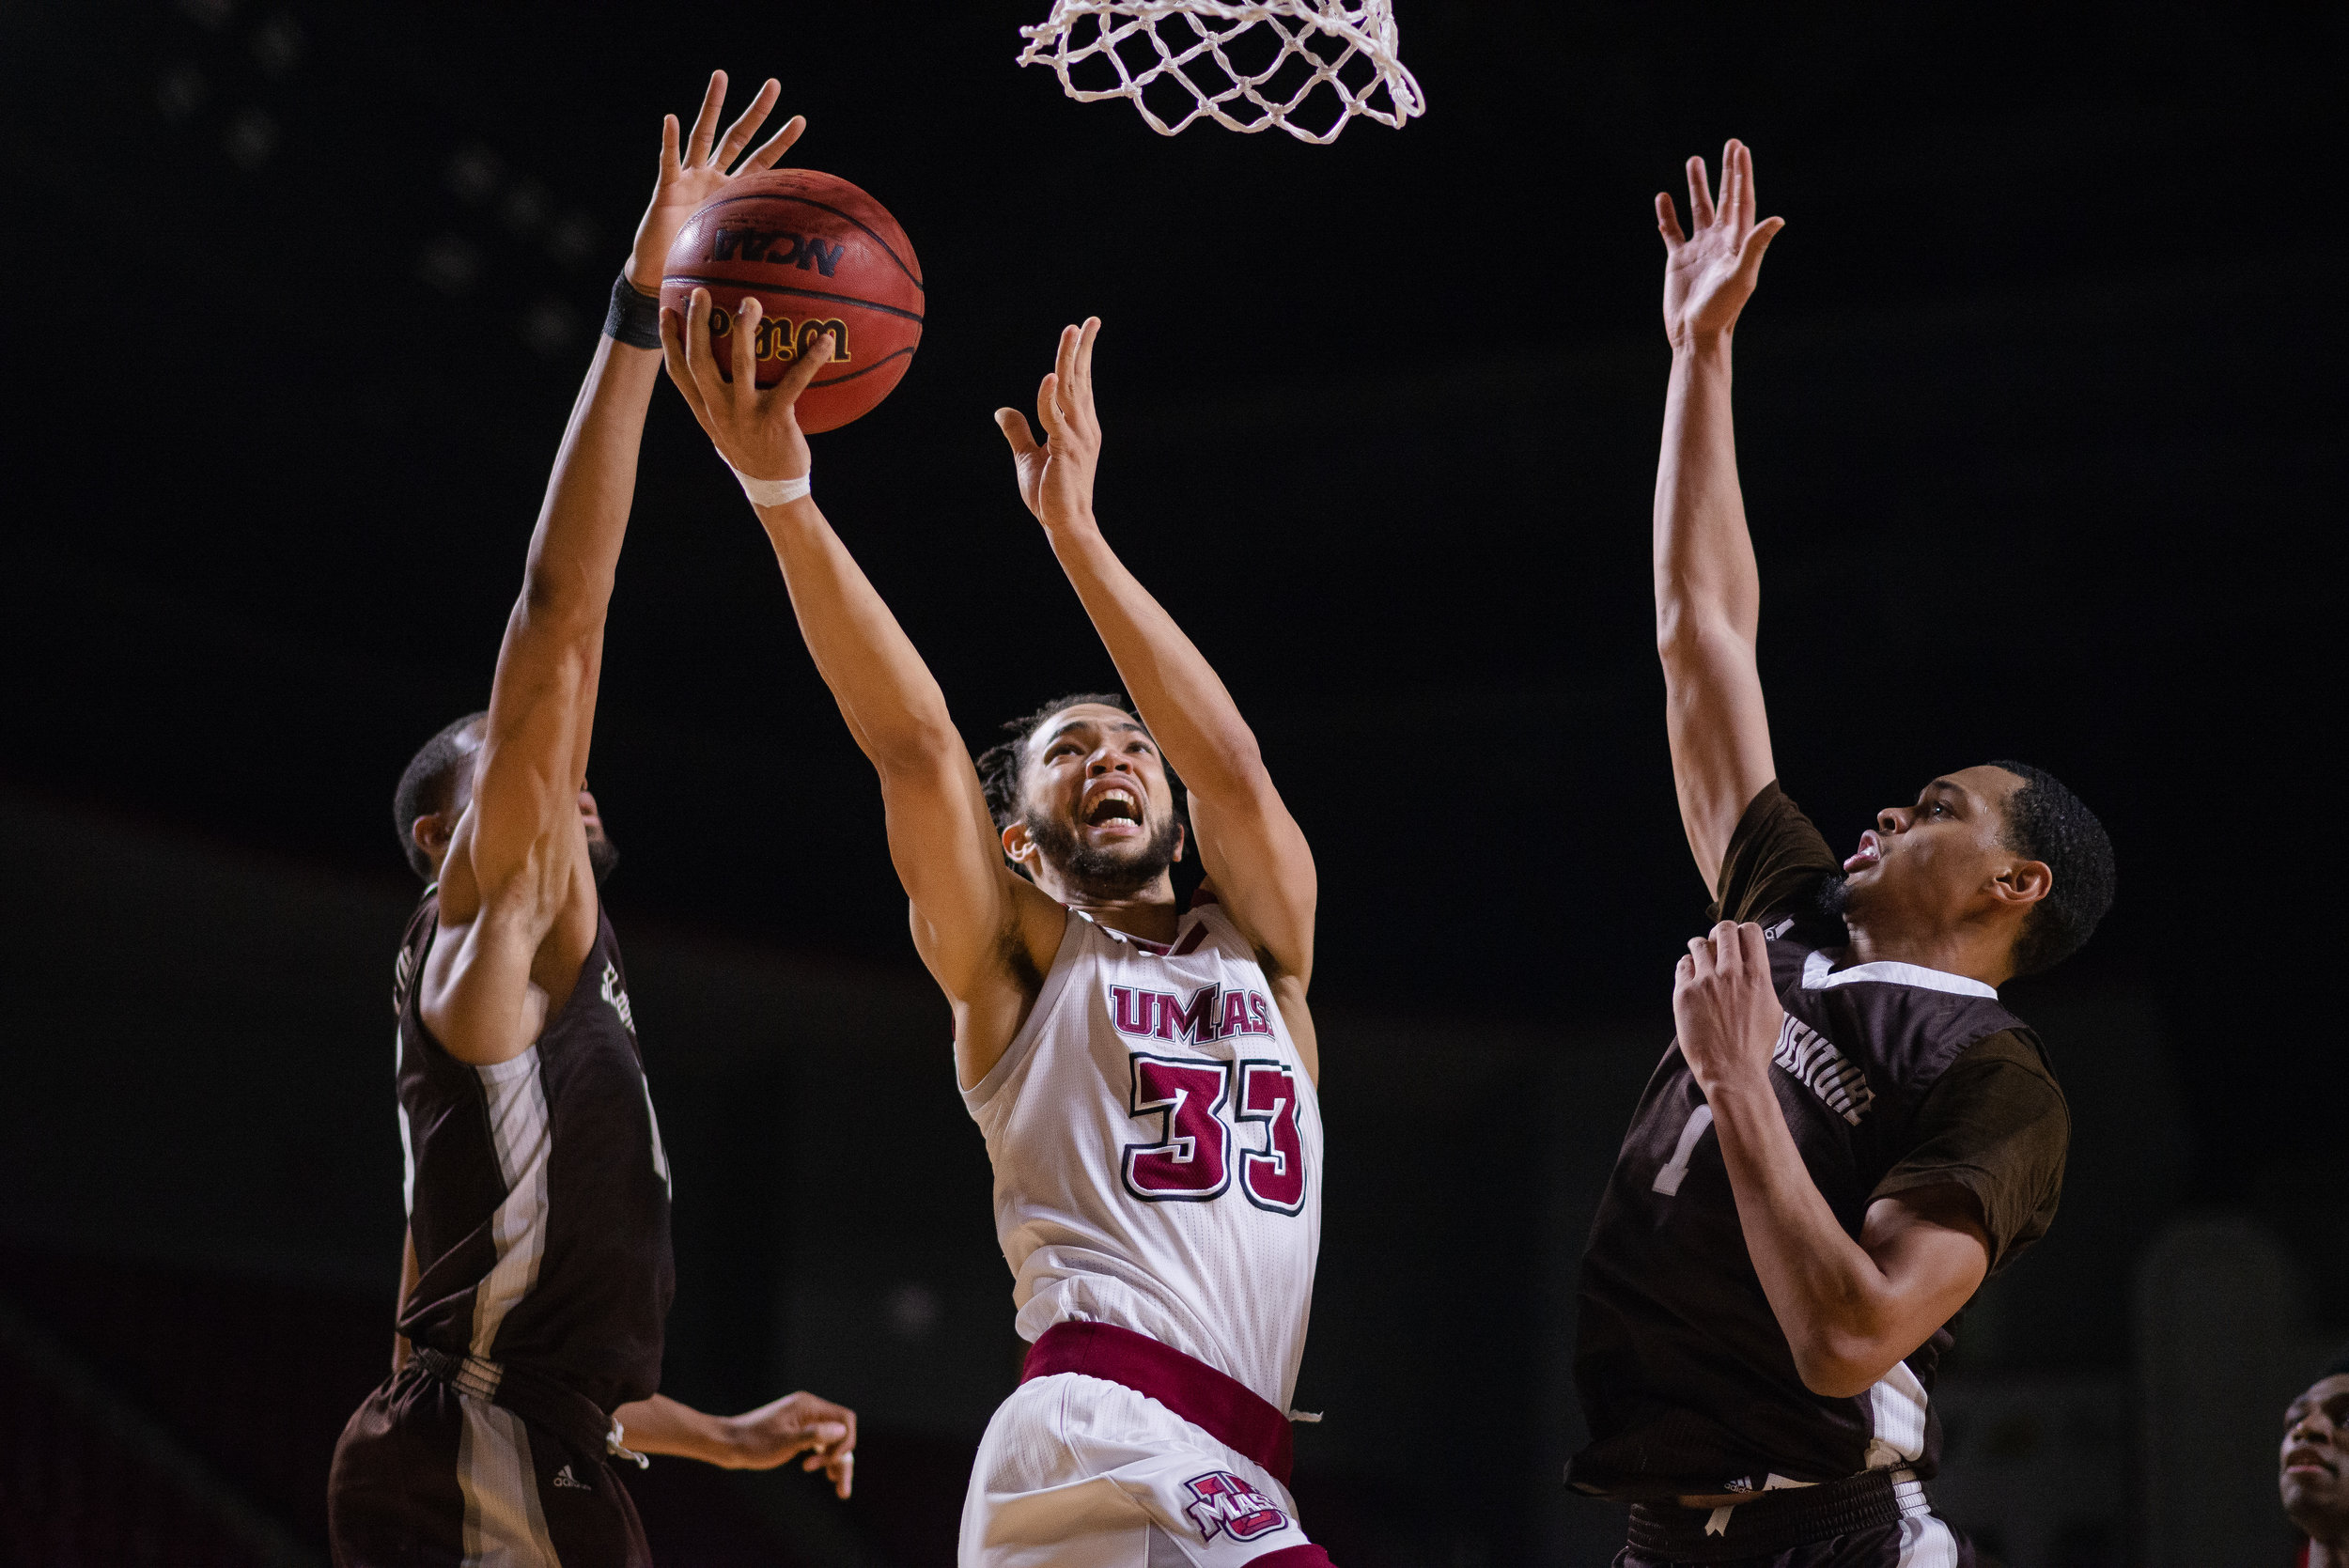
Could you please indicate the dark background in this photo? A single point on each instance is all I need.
(2038, 410)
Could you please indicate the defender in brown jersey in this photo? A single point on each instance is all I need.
(537, 1274)
(1851, 1132)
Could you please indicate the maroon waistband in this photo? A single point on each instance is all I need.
(1228, 1410)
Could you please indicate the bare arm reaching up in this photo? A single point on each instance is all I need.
(1255, 855)
(1707, 591)
(986, 933)
(517, 899)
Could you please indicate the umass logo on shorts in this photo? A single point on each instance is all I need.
(1229, 1504)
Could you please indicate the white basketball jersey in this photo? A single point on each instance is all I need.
(1156, 1145)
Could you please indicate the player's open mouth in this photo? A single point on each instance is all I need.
(1116, 806)
(1870, 852)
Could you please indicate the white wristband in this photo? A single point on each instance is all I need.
(773, 492)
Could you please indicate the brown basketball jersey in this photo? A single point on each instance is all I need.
(1686, 1379)
(537, 1188)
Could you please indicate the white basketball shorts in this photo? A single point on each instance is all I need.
(1079, 1472)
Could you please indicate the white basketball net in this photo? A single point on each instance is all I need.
(1306, 66)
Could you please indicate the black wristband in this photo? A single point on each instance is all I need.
(635, 317)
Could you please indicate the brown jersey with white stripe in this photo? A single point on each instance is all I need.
(1686, 1378)
(538, 1188)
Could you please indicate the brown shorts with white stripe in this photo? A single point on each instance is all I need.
(427, 1477)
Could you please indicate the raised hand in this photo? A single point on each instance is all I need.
(1725, 1010)
(756, 432)
(1709, 274)
(691, 176)
(1056, 475)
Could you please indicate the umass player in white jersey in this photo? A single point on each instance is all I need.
(538, 1272)
(1145, 1075)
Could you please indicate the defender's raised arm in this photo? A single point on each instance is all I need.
(1707, 591)
(1255, 855)
(536, 1270)
(516, 891)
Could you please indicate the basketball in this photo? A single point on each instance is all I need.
(821, 256)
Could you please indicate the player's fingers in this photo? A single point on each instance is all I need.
(1076, 392)
(673, 355)
(705, 122)
(775, 146)
(700, 362)
(668, 148)
(1699, 196)
(1081, 389)
(1753, 949)
(1085, 334)
(747, 317)
(1668, 221)
(1745, 186)
(1048, 410)
(812, 359)
(1064, 371)
(1750, 255)
(1014, 427)
(1733, 202)
(739, 134)
(842, 1472)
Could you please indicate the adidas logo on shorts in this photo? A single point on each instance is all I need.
(564, 1478)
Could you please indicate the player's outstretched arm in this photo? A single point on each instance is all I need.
(1707, 591)
(986, 933)
(1253, 851)
(1850, 1309)
(516, 896)
(774, 1433)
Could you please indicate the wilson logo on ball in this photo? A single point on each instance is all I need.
(780, 337)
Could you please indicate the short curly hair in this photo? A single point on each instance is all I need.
(427, 784)
(1001, 767)
(2049, 823)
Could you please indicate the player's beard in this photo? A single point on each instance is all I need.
(1102, 873)
(1831, 903)
(603, 857)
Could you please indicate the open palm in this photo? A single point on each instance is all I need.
(1710, 273)
(1057, 474)
(692, 175)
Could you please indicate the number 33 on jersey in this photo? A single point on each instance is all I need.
(1156, 1144)
(1193, 1160)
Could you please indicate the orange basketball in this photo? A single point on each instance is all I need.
(822, 256)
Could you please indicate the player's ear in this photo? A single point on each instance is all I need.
(2023, 884)
(431, 833)
(1019, 847)
(1182, 839)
